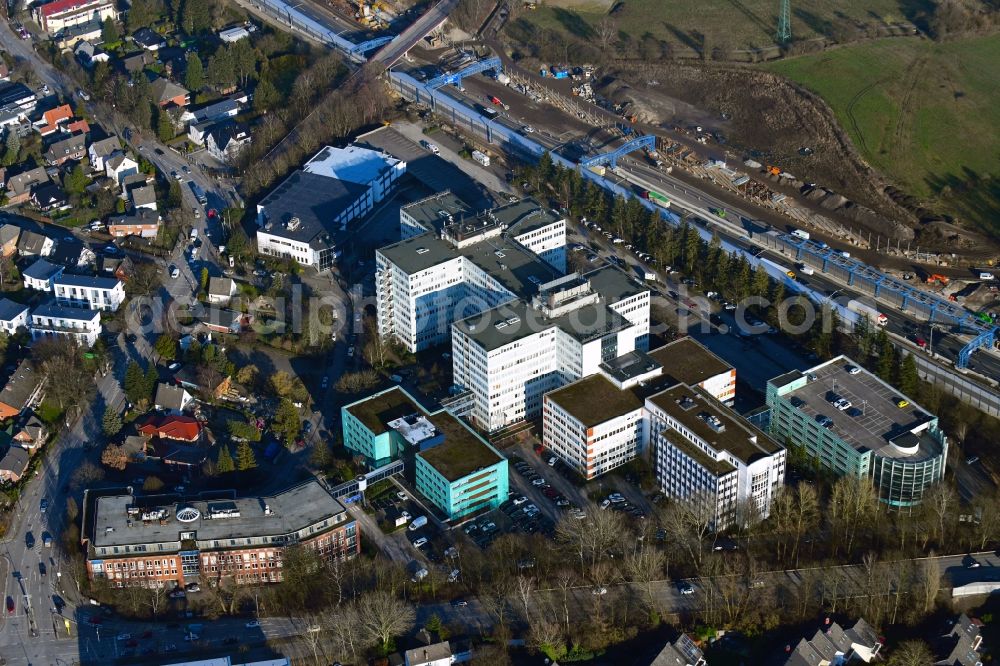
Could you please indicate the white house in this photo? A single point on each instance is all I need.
(97, 293)
(226, 141)
(436, 654)
(12, 315)
(220, 290)
(172, 398)
(120, 165)
(51, 321)
(40, 274)
(99, 151)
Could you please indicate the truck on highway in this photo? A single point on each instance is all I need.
(481, 157)
(645, 274)
(502, 78)
(489, 113)
(806, 270)
(659, 199)
(865, 310)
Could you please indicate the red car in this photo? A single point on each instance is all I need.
(920, 342)
(10, 605)
(495, 100)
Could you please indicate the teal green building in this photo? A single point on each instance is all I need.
(852, 423)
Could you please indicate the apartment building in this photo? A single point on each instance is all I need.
(852, 423)
(12, 316)
(167, 541)
(50, 320)
(509, 357)
(454, 468)
(704, 452)
(690, 362)
(59, 15)
(84, 291)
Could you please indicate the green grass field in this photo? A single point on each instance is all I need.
(735, 24)
(923, 113)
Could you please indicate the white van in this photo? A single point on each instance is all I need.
(804, 235)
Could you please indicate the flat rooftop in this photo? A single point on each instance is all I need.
(353, 164)
(516, 320)
(689, 361)
(594, 400)
(462, 452)
(315, 200)
(614, 284)
(524, 216)
(695, 409)
(291, 510)
(631, 365)
(377, 411)
(880, 419)
(432, 212)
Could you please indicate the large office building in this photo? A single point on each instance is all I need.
(451, 265)
(301, 218)
(454, 468)
(509, 357)
(852, 423)
(704, 452)
(168, 541)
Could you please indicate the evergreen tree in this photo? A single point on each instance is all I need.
(225, 463)
(194, 73)
(204, 279)
(111, 423)
(150, 381)
(166, 347)
(195, 17)
(164, 127)
(134, 383)
(12, 147)
(909, 379)
(761, 282)
(286, 424)
(886, 365)
(75, 182)
(109, 31)
(245, 458)
(265, 96)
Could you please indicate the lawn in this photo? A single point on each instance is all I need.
(923, 113)
(735, 24)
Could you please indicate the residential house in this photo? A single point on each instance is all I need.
(218, 320)
(833, 644)
(73, 35)
(80, 126)
(50, 320)
(682, 652)
(71, 148)
(143, 198)
(228, 107)
(84, 291)
(167, 93)
(148, 39)
(959, 644)
(22, 391)
(32, 243)
(56, 16)
(9, 233)
(225, 141)
(99, 151)
(12, 316)
(89, 54)
(175, 427)
(29, 431)
(40, 274)
(220, 290)
(144, 222)
(17, 102)
(205, 381)
(19, 186)
(122, 268)
(198, 131)
(13, 463)
(436, 654)
(49, 196)
(53, 118)
(137, 61)
(136, 180)
(172, 398)
(120, 165)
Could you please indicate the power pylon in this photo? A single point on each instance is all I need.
(785, 23)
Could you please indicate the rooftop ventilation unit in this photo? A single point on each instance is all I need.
(422, 250)
(501, 324)
(294, 224)
(685, 403)
(713, 422)
(513, 320)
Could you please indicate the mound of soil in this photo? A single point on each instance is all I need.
(773, 120)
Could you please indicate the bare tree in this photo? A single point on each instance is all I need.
(524, 587)
(384, 616)
(645, 566)
(941, 503)
(929, 581)
(986, 518)
(155, 598)
(911, 653)
(607, 33)
(688, 522)
(591, 537)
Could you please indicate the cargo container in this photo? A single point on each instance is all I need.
(659, 199)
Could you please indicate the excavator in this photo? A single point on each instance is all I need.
(935, 277)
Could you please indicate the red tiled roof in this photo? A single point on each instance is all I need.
(78, 126)
(183, 428)
(53, 116)
(62, 6)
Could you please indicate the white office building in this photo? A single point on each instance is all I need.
(51, 320)
(95, 293)
(302, 217)
(511, 356)
(598, 423)
(706, 453)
